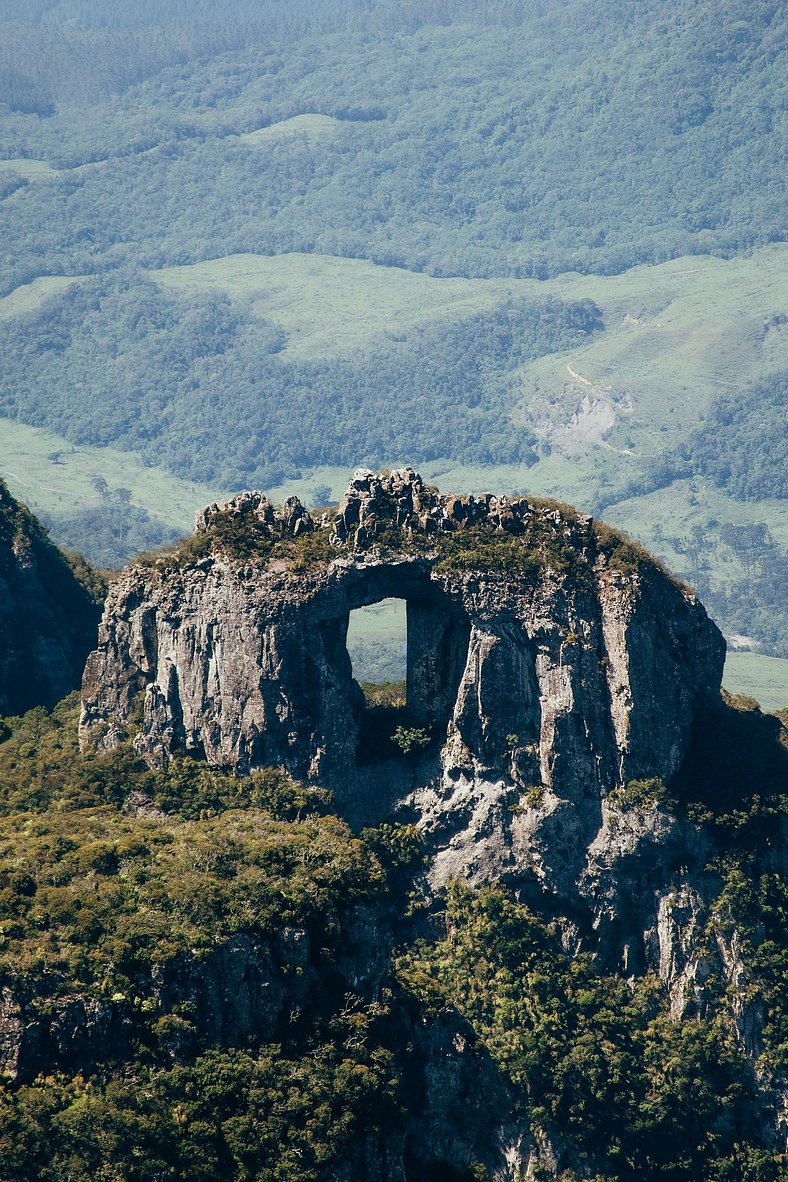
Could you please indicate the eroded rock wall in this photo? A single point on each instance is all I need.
(551, 674)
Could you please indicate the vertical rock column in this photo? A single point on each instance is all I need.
(437, 648)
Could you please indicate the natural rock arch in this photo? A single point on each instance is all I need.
(545, 659)
(554, 660)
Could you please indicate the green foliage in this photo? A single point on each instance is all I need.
(94, 897)
(533, 795)
(397, 847)
(167, 353)
(108, 869)
(411, 739)
(637, 794)
(544, 544)
(555, 121)
(755, 603)
(388, 693)
(734, 784)
(246, 538)
(171, 179)
(751, 911)
(743, 445)
(639, 1095)
(237, 1115)
(479, 548)
(110, 533)
(42, 769)
(622, 552)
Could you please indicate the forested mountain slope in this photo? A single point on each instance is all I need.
(589, 137)
(214, 978)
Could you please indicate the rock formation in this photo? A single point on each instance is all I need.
(550, 660)
(48, 618)
(558, 680)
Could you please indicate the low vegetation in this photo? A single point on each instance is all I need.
(545, 543)
(638, 794)
(245, 538)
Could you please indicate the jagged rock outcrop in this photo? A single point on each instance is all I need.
(48, 618)
(551, 662)
(574, 680)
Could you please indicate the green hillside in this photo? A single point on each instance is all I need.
(513, 142)
(535, 246)
(140, 909)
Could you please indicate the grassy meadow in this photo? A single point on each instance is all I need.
(757, 676)
(52, 476)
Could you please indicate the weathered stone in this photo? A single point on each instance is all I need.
(248, 663)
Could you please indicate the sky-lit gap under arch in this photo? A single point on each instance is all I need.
(377, 642)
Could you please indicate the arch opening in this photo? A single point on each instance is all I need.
(407, 655)
(377, 642)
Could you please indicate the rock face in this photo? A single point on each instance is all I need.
(48, 619)
(577, 681)
(243, 990)
(550, 661)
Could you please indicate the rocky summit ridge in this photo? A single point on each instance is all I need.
(523, 619)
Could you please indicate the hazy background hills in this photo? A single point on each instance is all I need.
(526, 246)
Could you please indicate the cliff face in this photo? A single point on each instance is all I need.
(551, 663)
(48, 619)
(244, 990)
(546, 662)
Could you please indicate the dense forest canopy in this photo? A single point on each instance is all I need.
(113, 875)
(743, 446)
(591, 143)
